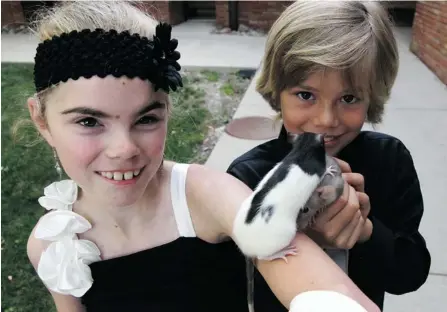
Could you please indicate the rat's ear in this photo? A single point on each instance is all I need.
(34, 107)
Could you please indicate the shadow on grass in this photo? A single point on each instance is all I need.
(27, 170)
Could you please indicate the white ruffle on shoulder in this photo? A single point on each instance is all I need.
(64, 265)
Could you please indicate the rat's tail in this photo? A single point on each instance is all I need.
(250, 270)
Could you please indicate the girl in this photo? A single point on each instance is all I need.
(130, 231)
(329, 67)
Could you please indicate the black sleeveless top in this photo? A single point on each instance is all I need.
(187, 274)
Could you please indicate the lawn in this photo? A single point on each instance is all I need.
(27, 170)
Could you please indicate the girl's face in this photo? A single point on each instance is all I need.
(109, 135)
(324, 104)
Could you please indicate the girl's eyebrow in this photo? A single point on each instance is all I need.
(151, 106)
(99, 114)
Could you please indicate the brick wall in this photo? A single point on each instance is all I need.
(258, 15)
(167, 11)
(222, 13)
(429, 40)
(12, 13)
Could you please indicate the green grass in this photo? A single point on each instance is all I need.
(211, 76)
(227, 89)
(27, 170)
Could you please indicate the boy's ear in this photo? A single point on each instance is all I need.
(39, 120)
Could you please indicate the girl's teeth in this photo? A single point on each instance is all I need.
(119, 176)
(128, 175)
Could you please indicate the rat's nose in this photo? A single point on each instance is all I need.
(320, 138)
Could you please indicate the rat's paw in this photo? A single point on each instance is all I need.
(282, 254)
(327, 193)
(331, 170)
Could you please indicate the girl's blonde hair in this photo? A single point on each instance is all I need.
(351, 36)
(67, 16)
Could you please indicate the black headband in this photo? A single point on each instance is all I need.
(100, 53)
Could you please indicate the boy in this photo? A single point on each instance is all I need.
(329, 67)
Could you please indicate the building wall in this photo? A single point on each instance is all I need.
(429, 40)
(12, 13)
(258, 15)
(222, 13)
(167, 11)
(261, 14)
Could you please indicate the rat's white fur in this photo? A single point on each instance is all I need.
(288, 197)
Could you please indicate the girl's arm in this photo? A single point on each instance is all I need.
(311, 269)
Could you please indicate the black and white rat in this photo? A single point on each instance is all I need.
(291, 194)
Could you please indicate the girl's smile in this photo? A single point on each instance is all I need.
(121, 177)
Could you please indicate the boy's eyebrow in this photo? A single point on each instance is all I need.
(99, 114)
(303, 86)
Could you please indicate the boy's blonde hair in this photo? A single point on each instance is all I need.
(351, 36)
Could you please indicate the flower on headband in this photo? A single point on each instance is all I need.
(165, 58)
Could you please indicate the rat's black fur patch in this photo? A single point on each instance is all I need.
(308, 153)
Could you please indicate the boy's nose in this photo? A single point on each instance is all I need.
(326, 118)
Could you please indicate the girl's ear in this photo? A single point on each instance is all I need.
(39, 120)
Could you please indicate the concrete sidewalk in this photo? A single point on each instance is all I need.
(199, 48)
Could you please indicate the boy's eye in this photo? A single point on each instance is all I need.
(147, 120)
(349, 99)
(88, 122)
(306, 96)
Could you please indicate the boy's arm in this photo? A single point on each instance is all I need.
(396, 252)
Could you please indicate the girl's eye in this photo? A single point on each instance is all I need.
(306, 96)
(349, 99)
(148, 120)
(88, 122)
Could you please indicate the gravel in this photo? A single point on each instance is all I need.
(243, 30)
(223, 93)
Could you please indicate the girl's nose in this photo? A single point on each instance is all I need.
(122, 146)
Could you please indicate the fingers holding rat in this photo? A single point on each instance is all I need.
(349, 236)
(365, 205)
(340, 224)
(344, 166)
(356, 180)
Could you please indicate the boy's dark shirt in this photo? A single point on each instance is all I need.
(395, 259)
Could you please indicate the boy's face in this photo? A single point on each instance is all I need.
(324, 104)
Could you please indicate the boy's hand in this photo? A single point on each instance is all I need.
(345, 222)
